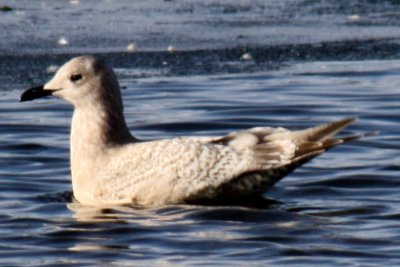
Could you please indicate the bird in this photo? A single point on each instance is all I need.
(109, 166)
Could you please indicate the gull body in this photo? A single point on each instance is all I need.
(110, 166)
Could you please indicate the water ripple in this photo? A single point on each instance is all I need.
(341, 209)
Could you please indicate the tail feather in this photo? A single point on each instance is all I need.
(322, 132)
(281, 151)
(306, 147)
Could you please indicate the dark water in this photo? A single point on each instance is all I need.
(341, 209)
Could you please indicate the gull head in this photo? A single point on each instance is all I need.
(82, 80)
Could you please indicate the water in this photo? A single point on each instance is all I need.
(340, 209)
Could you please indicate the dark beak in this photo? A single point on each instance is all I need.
(33, 93)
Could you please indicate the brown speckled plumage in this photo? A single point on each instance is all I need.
(110, 166)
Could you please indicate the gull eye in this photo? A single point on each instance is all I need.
(75, 77)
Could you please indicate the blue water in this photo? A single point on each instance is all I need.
(340, 209)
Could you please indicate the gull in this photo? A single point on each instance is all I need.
(109, 166)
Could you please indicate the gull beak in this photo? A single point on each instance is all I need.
(35, 92)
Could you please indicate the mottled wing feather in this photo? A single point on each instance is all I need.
(241, 163)
(185, 169)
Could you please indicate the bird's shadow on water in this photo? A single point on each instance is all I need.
(255, 202)
(114, 213)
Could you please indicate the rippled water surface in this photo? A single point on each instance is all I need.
(340, 209)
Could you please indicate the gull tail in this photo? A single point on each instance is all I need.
(308, 144)
(316, 140)
(322, 132)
